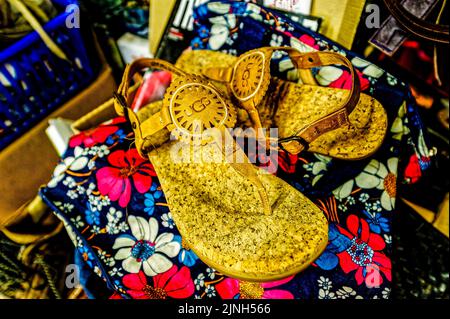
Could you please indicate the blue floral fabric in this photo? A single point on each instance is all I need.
(115, 210)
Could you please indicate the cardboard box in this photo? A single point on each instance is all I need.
(28, 163)
(340, 19)
(160, 12)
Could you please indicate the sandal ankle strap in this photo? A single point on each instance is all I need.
(248, 81)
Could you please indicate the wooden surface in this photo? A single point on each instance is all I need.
(440, 219)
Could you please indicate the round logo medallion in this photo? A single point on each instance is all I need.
(195, 107)
(248, 75)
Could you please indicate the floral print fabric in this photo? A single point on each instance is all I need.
(115, 210)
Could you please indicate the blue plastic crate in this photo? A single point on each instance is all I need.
(34, 82)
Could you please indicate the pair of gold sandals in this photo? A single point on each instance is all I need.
(237, 218)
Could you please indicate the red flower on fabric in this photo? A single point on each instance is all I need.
(116, 120)
(115, 181)
(364, 254)
(90, 138)
(235, 289)
(413, 172)
(287, 161)
(173, 283)
(309, 40)
(115, 296)
(345, 81)
(277, 159)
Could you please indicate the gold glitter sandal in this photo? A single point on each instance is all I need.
(238, 219)
(334, 122)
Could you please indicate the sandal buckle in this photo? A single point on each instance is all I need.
(294, 138)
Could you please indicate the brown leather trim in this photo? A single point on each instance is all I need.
(121, 103)
(414, 25)
(333, 120)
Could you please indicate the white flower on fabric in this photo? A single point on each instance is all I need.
(385, 294)
(98, 202)
(220, 30)
(114, 215)
(299, 45)
(344, 190)
(106, 258)
(210, 291)
(318, 168)
(65, 207)
(326, 294)
(276, 40)
(99, 151)
(145, 248)
(328, 74)
(211, 273)
(374, 207)
(345, 292)
(167, 220)
(96, 230)
(70, 182)
(376, 175)
(199, 281)
(115, 272)
(72, 194)
(387, 239)
(364, 197)
(391, 80)
(80, 190)
(219, 35)
(368, 68)
(115, 224)
(398, 128)
(324, 283)
(351, 200)
(254, 12)
(217, 7)
(77, 222)
(90, 188)
(74, 163)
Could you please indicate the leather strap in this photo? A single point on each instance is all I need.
(187, 98)
(298, 142)
(244, 167)
(155, 123)
(249, 78)
(414, 25)
(137, 65)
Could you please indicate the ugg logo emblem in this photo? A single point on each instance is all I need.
(246, 74)
(198, 106)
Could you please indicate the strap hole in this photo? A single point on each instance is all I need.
(310, 60)
(134, 125)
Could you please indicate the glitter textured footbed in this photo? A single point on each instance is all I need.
(290, 107)
(218, 213)
(217, 206)
(234, 236)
